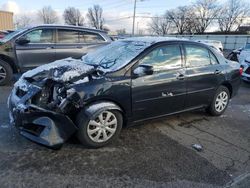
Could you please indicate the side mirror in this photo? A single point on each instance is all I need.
(142, 70)
(22, 41)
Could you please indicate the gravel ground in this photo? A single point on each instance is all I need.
(155, 154)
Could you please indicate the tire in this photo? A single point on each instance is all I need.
(220, 101)
(6, 73)
(85, 125)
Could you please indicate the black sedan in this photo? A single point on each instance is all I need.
(123, 83)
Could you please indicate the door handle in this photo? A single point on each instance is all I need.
(217, 72)
(50, 47)
(79, 47)
(180, 76)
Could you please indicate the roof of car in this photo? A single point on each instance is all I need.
(67, 26)
(154, 39)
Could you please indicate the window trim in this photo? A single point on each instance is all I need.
(212, 54)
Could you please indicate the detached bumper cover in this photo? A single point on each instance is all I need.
(39, 125)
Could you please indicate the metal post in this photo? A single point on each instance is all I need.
(137, 28)
(133, 29)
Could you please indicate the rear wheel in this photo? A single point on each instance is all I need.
(6, 73)
(98, 131)
(220, 101)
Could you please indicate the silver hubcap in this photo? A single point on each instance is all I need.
(103, 127)
(221, 101)
(2, 73)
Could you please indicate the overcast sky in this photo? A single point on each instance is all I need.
(116, 12)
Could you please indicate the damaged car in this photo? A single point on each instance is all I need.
(123, 83)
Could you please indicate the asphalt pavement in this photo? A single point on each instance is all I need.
(156, 153)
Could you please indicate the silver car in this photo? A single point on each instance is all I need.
(34, 46)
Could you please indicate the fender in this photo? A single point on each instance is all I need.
(94, 109)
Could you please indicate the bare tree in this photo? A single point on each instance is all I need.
(179, 17)
(95, 17)
(121, 31)
(73, 16)
(22, 21)
(159, 25)
(204, 13)
(232, 14)
(47, 15)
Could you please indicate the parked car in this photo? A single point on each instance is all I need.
(234, 55)
(242, 55)
(27, 48)
(123, 83)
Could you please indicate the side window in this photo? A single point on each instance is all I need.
(214, 60)
(164, 58)
(197, 56)
(67, 36)
(40, 36)
(87, 37)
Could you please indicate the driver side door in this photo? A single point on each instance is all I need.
(163, 91)
(38, 51)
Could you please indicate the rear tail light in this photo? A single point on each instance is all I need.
(241, 70)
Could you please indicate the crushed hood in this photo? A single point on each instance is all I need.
(61, 70)
(65, 70)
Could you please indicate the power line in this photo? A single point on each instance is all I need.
(117, 19)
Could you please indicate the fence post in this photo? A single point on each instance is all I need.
(225, 43)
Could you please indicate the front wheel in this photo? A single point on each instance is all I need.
(98, 131)
(220, 101)
(6, 73)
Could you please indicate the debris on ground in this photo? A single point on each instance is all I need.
(197, 147)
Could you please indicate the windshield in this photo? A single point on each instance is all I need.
(12, 34)
(115, 55)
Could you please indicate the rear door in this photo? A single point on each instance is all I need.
(91, 40)
(76, 43)
(68, 44)
(204, 74)
(164, 91)
(40, 50)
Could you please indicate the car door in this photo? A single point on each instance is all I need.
(67, 44)
(204, 74)
(39, 50)
(164, 91)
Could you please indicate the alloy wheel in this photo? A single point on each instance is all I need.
(221, 101)
(103, 127)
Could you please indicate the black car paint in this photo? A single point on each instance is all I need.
(139, 98)
(21, 57)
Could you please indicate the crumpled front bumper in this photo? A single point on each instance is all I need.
(37, 124)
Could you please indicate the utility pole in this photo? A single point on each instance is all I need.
(133, 29)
